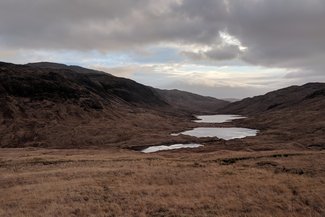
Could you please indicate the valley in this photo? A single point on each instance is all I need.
(71, 141)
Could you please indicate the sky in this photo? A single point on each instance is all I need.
(220, 48)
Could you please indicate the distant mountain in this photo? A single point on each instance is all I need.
(275, 100)
(231, 99)
(191, 102)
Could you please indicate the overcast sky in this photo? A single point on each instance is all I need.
(221, 48)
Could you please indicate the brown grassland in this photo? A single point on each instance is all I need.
(120, 182)
(69, 144)
(280, 172)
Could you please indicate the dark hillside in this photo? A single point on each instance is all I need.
(192, 102)
(275, 100)
(54, 105)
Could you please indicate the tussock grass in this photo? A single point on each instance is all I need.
(39, 182)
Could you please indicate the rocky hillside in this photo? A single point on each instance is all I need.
(276, 100)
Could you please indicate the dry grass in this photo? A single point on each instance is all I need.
(112, 182)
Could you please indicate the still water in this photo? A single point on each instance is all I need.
(152, 149)
(217, 118)
(226, 133)
(222, 133)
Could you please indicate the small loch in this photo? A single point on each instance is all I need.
(226, 133)
(217, 118)
(152, 149)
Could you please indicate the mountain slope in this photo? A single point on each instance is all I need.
(275, 100)
(180, 100)
(292, 117)
(103, 84)
(54, 105)
(191, 102)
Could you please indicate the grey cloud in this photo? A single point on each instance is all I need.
(277, 33)
(104, 25)
(280, 33)
(59, 24)
(224, 53)
(218, 91)
(300, 76)
(124, 71)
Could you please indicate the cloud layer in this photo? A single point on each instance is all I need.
(271, 33)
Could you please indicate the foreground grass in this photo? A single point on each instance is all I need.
(49, 182)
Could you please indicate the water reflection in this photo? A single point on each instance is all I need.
(222, 133)
(152, 149)
(217, 118)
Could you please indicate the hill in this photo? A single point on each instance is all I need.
(275, 100)
(292, 117)
(55, 105)
(180, 100)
